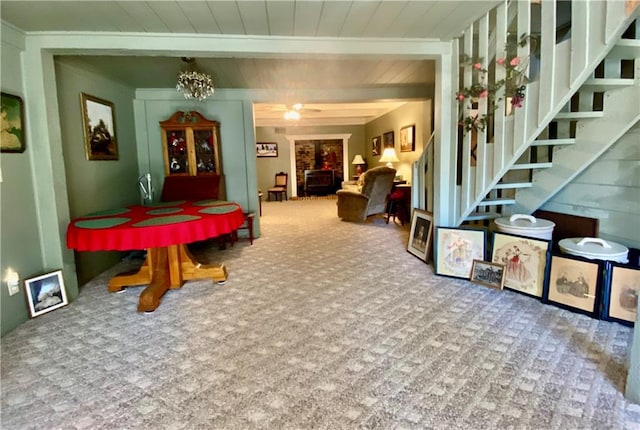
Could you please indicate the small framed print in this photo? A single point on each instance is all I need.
(456, 248)
(525, 261)
(45, 293)
(12, 108)
(408, 138)
(574, 283)
(99, 125)
(420, 236)
(488, 274)
(376, 146)
(267, 149)
(387, 139)
(620, 297)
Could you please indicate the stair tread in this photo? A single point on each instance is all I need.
(491, 202)
(625, 49)
(579, 115)
(509, 185)
(606, 84)
(478, 216)
(531, 166)
(551, 142)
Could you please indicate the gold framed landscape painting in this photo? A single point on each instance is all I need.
(99, 125)
(12, 109)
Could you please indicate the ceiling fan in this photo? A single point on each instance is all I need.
(293, 111)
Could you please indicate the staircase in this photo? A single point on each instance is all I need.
(584, 96)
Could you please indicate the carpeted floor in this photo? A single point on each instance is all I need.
(322, 324)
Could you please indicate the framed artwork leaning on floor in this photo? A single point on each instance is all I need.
(420, 234)
(525, 260)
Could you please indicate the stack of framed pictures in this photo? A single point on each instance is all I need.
(597, 288)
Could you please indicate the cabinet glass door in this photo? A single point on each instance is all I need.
(178, 155)
(204, 148)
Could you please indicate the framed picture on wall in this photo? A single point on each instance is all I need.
(99, 125)
(407, 138)
(267, 149)
(376, 146)
(387, 139)
(12, 109)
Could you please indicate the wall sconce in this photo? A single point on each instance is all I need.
(359, 162)
(389, 156)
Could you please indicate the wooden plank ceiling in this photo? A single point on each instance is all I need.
(429, 19)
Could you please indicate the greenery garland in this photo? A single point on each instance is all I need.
(514, 83)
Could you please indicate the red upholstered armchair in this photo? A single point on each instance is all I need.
(201, 187)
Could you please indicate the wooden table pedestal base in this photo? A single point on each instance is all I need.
(165, 268)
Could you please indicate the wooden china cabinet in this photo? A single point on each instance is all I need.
(191, 145)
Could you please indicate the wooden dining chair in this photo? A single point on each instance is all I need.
(280, 188)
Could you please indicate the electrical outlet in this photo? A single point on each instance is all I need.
(14, 287)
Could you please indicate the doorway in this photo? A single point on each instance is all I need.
(318, 153)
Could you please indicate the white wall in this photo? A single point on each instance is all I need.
(608, 190)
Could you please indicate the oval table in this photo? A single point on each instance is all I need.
(163, 230)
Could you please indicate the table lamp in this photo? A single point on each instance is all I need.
(389, 156)
(358, 161)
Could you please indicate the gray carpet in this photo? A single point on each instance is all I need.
(322, 324)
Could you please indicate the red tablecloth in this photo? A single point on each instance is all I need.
(154, 226)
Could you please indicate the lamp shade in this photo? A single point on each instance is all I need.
(389, 156)
(358, 160)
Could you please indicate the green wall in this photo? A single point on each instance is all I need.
(94, 185)
(21, 248)
(411, 113)
(236, 140)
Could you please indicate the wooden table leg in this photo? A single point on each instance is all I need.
(164, 269)
(160, 280)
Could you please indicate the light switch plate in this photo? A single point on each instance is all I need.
(14, 288)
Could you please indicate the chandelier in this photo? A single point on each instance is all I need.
(192, 83)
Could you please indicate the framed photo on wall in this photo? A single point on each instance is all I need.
(376, 146)
(12, 108)
(387, 139)
(525, 260)
(266, 149)
(45, 293)
(456, 249)
(407, 138)
(420, 236)
(620, 298)
(574, 283)
(99, 125)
